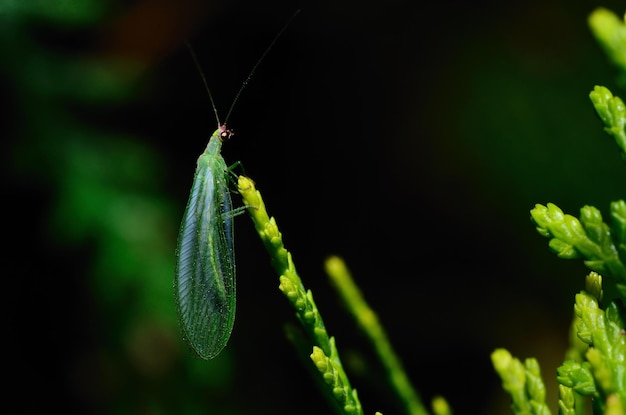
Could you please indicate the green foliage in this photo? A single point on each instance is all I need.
(605, 333)
(602, 374)
(370, 325)
(612, 112)
(588, 237)
(610, 32)
(567, 401)
(602, 246)
(106, 192)
(596, 360)
(325, 355)
(577, 376)
(440, 406)
(522, 382)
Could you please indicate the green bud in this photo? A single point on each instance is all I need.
(339, 393)
(509, 368)
(287, 287)
(610, 32)
(271, 231)
(545, 215)
(319, 359)
(246, 188)
(329, 377)
(320, 331)
(600, 97)
(291, 291)
(593, 284)
(309, 316)
(612, 112)
(566, 398)
(577, 376)
(590, 214)
(534, 383)
(440, 406)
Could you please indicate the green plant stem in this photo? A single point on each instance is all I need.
(324, 354)
(369, 323)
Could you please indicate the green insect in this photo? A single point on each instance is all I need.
(204, 282)
(205, 268)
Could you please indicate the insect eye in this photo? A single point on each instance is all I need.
(225, 133)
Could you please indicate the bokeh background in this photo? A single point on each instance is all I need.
(409, 138)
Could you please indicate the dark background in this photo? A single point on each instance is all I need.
(412, 139)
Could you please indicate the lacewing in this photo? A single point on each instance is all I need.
(204, 282)
(204, 285)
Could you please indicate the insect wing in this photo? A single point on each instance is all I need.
(205, 271)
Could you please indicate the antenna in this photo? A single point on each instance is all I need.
(206, 85)
(245, 83)
(256, 65)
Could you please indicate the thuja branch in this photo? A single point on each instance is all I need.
(602, 248)
(369, 323)
(324, 351)
(522, 381)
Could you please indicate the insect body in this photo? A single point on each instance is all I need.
(204, 284)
